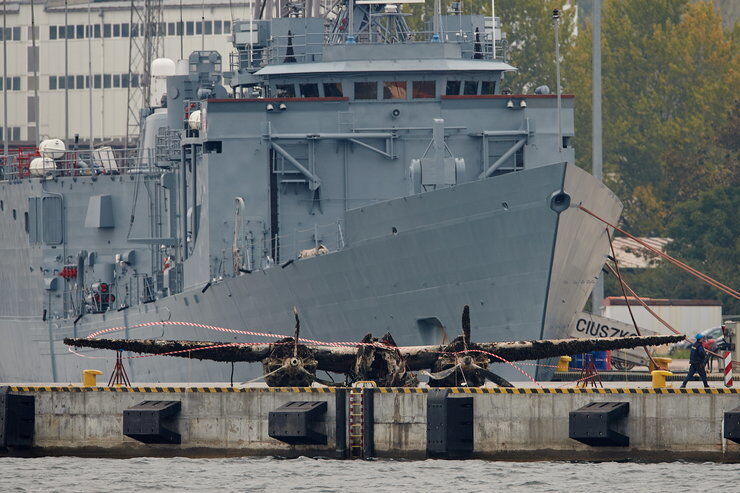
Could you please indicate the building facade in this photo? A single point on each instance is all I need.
(63, 105)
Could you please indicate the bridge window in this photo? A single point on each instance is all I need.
(309, 90)
(394, 90)
(333, 90)
(453, 88)
(471, 88)
(488, 87)
(285, 91)
(366, 90)
(424, 89)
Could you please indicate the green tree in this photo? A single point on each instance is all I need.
(668, 90)
(706, 234)
(530, 39)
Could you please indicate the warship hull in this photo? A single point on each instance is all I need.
(514, 247)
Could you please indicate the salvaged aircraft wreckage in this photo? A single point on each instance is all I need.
(289, 362)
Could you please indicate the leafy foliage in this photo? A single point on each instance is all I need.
(671, 119)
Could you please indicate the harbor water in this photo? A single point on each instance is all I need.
(71, 474)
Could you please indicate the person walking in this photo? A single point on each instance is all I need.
(697, 361)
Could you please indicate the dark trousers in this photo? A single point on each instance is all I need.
(695, 368)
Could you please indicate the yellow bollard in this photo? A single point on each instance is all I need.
(659, 377)
(661, 363)
(90, 377)
(563, 363)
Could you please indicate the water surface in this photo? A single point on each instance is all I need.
(71, 474)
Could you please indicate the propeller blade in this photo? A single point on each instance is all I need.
(466, 326)
(440, 374)
(297, 332)
(489, 375)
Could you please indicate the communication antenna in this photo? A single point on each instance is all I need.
(144, 47)
(493, 29)
(5, 84)
(182, 32)
(90, 75)
(35, 68)
(66, 73)
(556, 24)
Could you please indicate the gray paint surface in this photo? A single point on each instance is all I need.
(409, 245)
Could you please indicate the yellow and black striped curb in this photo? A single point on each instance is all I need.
(204, 390)
(382, 390)
(496, 390)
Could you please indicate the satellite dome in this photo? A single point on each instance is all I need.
(163, 67)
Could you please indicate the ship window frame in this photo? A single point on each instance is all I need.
(368, 85)
(465, 87)
(491, 90)
(308, 85)
(288, 88)
(390, 86)
(447, 87)
(333, 85)
(415, 94)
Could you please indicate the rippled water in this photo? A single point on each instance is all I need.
(70, 474)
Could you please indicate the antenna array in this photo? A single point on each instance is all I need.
(145, 45)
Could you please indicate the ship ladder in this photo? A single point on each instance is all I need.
(357, 419)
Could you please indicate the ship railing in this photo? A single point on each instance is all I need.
(104, 160)
(319, 239)
(132, 290)
(306, 48)
(8, 166)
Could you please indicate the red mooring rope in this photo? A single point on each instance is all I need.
(676, 262)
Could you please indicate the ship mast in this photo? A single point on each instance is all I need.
(374, 21)
(144, 47)
(5, 84)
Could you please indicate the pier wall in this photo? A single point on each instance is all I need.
(518, 424)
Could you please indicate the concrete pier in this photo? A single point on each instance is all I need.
(511, 424)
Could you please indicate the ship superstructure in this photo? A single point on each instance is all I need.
(374, 177)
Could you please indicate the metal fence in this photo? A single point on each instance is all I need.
(300, 48)
(29, 163)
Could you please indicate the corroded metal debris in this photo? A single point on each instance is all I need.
(288, 362)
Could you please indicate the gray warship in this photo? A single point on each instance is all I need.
(375, 178)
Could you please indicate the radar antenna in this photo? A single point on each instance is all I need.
(369, 21)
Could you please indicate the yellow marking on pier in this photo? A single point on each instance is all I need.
(382, 390)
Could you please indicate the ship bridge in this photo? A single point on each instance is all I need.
(298, 57)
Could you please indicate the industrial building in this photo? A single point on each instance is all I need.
(79, 44)
(686, 316)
